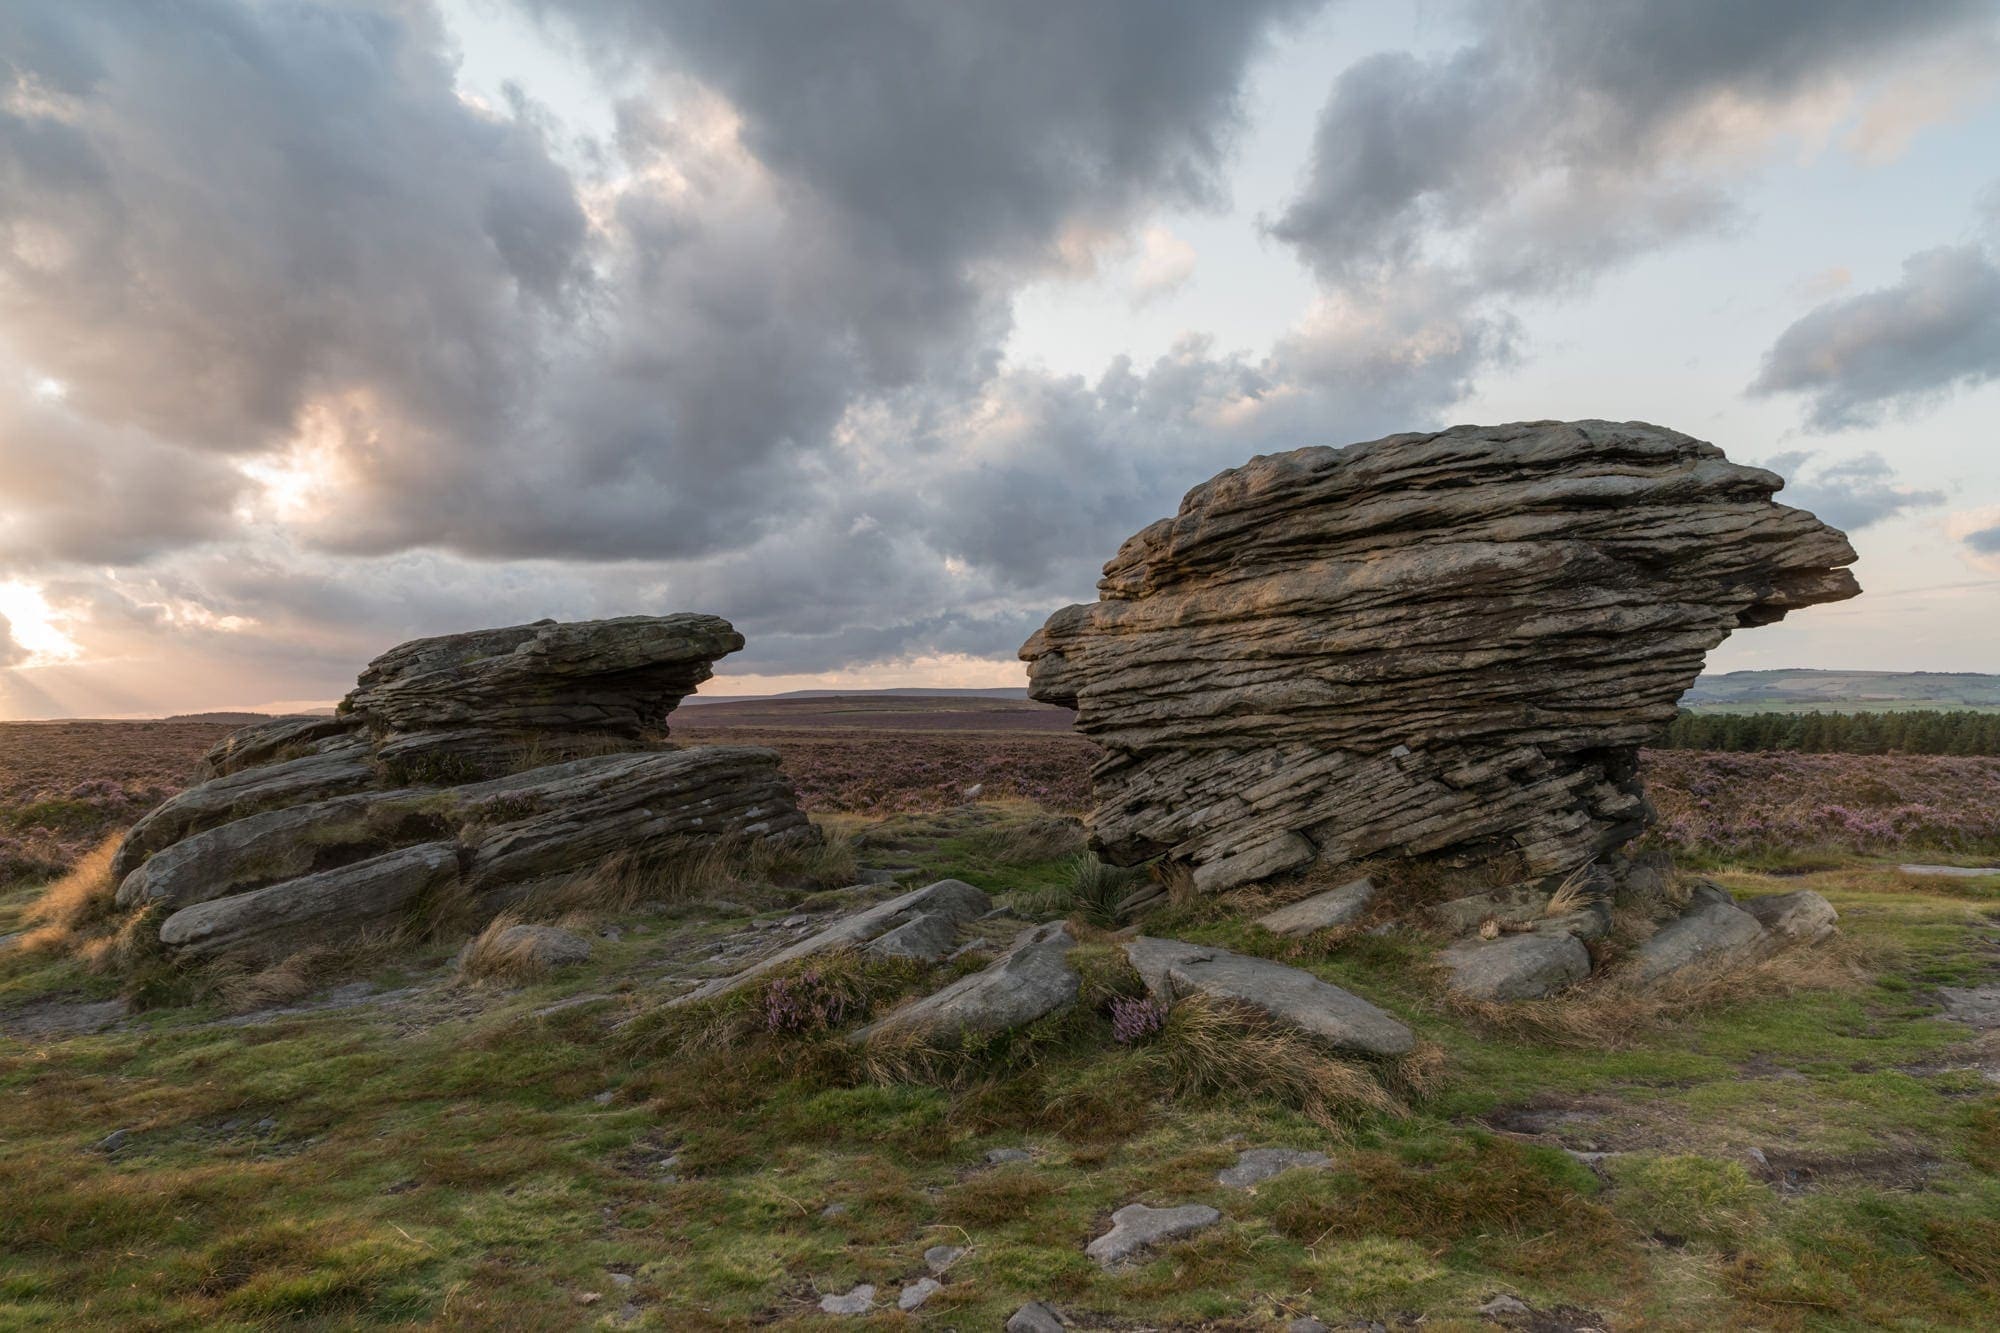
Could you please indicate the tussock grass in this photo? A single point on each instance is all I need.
(690, 871)
(1039, 838)
(1520, 1211)
(1572, 894)
(1091, 891)
(489, 957)
(76, 908)
(1613, 1011)
(1210, 1048)
(1690, 1197)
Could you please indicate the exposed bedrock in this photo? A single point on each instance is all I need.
(1436, 645)
(487, 764)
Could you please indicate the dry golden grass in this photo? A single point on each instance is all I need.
(1571, 894)
(1614, 1010)
(489, 957)
(1215, 1048)
(76, 906)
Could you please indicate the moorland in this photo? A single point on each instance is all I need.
(393, 1140)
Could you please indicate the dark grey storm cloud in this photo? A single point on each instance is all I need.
(239, 223)
(1849, 493)
(1897, 348)
(1573, 134)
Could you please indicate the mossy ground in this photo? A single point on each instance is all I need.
(450, 1159)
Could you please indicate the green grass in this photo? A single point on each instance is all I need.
(451, 1164)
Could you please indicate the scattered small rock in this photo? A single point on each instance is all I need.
(605, 1098)
(940, 1257)
(1307, 1324)
(833, 1210)
(1260, 1164)
(859, 1301)
(1034, 1317)
(1335, 907)
(115, 1140)
(1136, 1227)
(1002, 1156)
(1803, 917)
(620, 1280)
(1708, 932)
(1516, 967)
(1505, 1307)
(1291, 997)
(974, 792)
(918, 1292)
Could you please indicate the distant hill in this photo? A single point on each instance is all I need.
(1799, 690)
(994, 692)
(232, 718)
(878, 710)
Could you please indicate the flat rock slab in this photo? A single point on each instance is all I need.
(1135, 1227)
(1516, 967)
(1951, 872)
(1030, 980)
(1291, 997)
(1707, 933)
(859, 1301)
(1977, 1006)
(1336, 907)
(329, 904)
(1521, 905)
(951, 899)
(918, 1292)
(1257, 1165)
(1803, 917)
(544, 946)
(57, 1017)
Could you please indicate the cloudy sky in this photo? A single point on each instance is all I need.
(875, 326)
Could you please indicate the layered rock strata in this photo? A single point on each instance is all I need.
(484, 765)
(1432, 645)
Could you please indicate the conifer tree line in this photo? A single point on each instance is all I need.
(1915, 731)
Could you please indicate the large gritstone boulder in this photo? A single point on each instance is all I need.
(484, 765)
(1442, 645)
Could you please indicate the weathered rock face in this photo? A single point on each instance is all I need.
(450, 769)
(1447, 645)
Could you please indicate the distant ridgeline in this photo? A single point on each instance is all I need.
(1904, 731)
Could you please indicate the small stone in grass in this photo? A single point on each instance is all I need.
(833, 1210)
(113, 1141)
(1034, 1317)
(1504, 1306)
(1136, 1227)
(918, 1292)
(940, 1257)
(1260, 1164)
(1002, 1156)
(859, 1301)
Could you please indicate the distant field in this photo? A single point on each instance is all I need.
(1796, 690)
